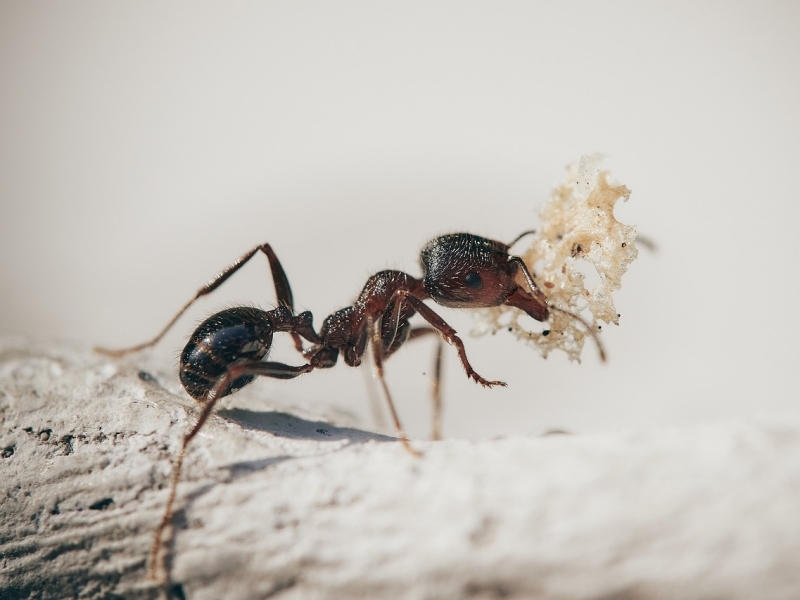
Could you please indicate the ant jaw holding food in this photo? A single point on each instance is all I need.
(537, 307)
(536, 304)
(533, 304)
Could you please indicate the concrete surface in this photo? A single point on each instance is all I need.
(287, 506)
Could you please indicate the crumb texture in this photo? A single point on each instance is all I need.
(577, 232)
(276, 505)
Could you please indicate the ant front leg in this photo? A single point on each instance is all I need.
(234, 372)
(282, 290)
(449, 335)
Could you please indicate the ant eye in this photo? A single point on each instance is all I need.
(473, 280)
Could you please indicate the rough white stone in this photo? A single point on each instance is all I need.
(278, 505)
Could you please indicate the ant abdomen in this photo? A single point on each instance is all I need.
(223, 340)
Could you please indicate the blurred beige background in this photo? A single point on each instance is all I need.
(144, 146)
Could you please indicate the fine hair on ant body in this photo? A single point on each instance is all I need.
(228, 350)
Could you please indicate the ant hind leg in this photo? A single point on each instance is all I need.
(266, 369)
(279, 278)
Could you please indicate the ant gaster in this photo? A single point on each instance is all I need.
(227, 351)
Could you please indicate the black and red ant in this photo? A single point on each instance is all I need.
(228, 350)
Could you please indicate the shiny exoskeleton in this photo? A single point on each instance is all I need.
(238, 337)
(229, 349)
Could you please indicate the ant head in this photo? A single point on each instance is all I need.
(467, 271)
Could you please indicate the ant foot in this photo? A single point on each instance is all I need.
(407, 445)
(485, 382)
(110, 353)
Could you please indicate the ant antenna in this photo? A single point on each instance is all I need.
(522, 235)
(534, 288)
(647, 243)
(589, 329)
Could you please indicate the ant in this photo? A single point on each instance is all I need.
(228, 350)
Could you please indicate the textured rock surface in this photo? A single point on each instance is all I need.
(285, 506)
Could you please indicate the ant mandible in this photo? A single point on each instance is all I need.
(228, 350)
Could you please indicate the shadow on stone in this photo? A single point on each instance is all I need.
(293, 427)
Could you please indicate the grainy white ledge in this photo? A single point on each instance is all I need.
(275, 505)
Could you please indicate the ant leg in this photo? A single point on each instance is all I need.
(449, 334)
(282, 290)
(267, 369)
(436, 380)
(389, 343)
(376, 346)
(378, 417)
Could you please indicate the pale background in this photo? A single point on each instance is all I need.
(144, 146)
